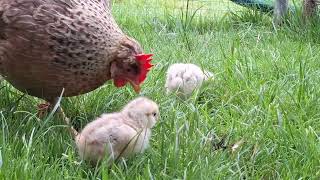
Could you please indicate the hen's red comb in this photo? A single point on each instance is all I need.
(145, 65)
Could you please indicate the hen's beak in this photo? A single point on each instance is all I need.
(136, 87)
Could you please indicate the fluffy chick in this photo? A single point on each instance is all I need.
(185, 78)
(119, 134)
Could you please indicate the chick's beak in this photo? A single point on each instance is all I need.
(136, 87)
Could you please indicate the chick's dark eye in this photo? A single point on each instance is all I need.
(154, 114)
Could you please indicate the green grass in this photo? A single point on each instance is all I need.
(266, 93)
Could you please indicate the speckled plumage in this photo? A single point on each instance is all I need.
(48, 45)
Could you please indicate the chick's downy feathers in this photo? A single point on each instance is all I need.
(185, 78)
(119, 134)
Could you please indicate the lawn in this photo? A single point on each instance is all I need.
(265, 94)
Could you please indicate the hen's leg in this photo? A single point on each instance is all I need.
(43, 110)
(65, 119)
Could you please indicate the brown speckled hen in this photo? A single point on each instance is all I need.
(48, 45)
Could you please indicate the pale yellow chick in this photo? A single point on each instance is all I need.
(185, 78)
(119, 134)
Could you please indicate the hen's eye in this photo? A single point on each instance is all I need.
(128, 70)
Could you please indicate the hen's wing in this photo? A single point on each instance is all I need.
(27, 50)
